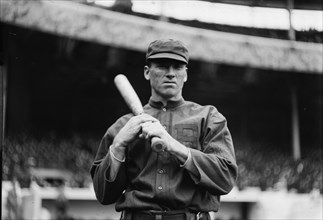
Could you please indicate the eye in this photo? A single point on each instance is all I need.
(162, 66)
(178, 66)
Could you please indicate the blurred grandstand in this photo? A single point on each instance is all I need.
(58, 59)
(263, 166)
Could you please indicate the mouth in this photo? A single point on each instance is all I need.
(170, 82)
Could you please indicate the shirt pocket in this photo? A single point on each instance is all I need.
(187, 134)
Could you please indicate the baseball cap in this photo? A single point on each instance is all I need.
(169, 48)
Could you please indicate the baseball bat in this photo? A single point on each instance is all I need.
(132, 100)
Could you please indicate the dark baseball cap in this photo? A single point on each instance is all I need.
(169, 49)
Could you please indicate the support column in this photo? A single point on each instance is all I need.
(2, 103)
(291, 31)
(295, 125)
(296, 145)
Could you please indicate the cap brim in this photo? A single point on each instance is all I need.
(167, 56)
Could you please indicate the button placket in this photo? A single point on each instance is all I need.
(161, 178)
(163, 121)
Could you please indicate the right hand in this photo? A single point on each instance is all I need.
(131, 130)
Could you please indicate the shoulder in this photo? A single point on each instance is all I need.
(118, 124)
(209, 111)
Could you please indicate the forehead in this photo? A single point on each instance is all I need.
(166, 62)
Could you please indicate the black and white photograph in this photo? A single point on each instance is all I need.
(161, 109)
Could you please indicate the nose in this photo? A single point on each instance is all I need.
(171, 73)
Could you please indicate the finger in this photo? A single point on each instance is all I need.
(136, 121)
(145, 118)
(146, 125)
(144, 135)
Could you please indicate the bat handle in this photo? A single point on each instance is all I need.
(158, 144)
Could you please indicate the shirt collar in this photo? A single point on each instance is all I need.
(170, 103)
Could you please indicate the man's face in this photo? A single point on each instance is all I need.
(167, 78)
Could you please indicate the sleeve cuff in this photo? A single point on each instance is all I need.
(113, 157)
(188, 160)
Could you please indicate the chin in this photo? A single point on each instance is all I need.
(169, 95)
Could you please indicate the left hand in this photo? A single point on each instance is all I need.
(155, 129)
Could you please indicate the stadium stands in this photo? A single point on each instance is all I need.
(260, 165)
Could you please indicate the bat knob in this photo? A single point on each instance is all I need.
(157, 144)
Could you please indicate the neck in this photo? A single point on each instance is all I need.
(165, 100)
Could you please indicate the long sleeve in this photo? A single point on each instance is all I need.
(107, 190)
(214, 166)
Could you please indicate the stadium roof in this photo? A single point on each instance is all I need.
(298, 4)
(113, 28)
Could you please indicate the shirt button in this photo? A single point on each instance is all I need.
(160, 187)
(161, 171)
(164, 109)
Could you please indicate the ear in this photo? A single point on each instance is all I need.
(146, 73)
(185, 77)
